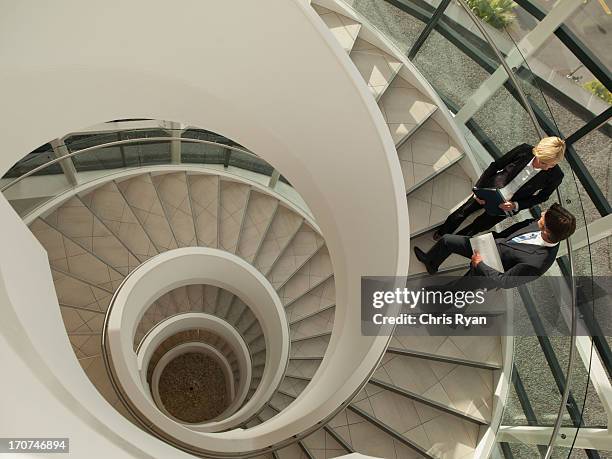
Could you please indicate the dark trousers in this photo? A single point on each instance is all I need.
(482, 223)
(447, 245)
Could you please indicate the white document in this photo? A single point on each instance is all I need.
(485, 245)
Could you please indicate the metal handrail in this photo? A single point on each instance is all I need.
(573, 307)
(118, 143)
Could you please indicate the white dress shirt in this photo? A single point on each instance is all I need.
(534, 237)
(521, 178)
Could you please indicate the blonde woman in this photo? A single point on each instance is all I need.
(525, 176)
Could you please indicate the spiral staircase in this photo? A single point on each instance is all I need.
(432, 397)
(423, 390)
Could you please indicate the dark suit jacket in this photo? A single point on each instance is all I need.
(535, 191)
(522, 262)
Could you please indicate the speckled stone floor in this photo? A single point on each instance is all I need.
(192, 388)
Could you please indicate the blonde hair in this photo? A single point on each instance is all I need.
(550, 150)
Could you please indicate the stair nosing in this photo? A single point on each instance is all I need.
(95, 214)
(316, 335)
(341, 441)
(437, 173)
(193, 218)
(161, 203)
(243, 219)
(265, 232)
(414, 130)
(389, 431)
(136, 215)
(443, 359)
(312, 314)
(80, 308)
(310, 257)
(85, 249)
(80, 279)
(282, 251)
(310, 289)
(427, 401)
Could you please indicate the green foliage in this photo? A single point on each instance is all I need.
(498, 13)
(599, 90)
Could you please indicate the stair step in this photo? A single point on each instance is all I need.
(74, 292)
(342, 27)
(141, 196)
(311, 314)
(318, 298)
(483, 349)
(444, 359)
(258, 218)
(313, 346)
(433, 200)
(322, 322)
(234, 199)
(427, 401)
(368, 438)
(313, 336)
(426, 242)
(204, 194)
(174, 196)
(283, 228)
(435, 431)
(76, 222)
(310, 275)
(303, 246)
(405, 109)
(72, 259)
(108, 204)
(377, 68)
(426, 151)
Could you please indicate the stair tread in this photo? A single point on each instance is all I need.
(303, 246)
(344, 28)
(141, 196)
(204, 193)
(71, 258)
(108, 204)
(234, 199)
(404, 108)
(434, 200)
(259, 213)
(174, 196)
(77, 222)
(426, 151)
(377, 67)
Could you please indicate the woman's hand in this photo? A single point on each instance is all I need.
(479, 201)
(507, 206)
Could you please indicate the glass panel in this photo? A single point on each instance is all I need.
(32, 160)
(592, 23)
(250, 162)
(202, 153)
(462, 75)
(400, 27)
(203, 134)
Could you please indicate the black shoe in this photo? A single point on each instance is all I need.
(422, 257)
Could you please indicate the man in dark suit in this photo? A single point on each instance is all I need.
(527, 249)
(526, 176)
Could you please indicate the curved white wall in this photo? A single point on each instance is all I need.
(166, 272)
(267, 74)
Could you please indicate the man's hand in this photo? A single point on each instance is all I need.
(476, 258)
(479, 201)
(507, 206)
